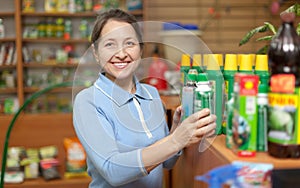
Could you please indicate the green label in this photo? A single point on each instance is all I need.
(283, 118)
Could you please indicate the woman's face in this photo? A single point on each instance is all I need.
(118, 50)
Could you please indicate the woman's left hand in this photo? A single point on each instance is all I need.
(176, 118)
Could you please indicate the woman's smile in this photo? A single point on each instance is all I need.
(121, 65)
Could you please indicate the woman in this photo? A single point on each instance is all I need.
(121, 122)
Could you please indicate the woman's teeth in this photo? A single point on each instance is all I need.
(120, 65)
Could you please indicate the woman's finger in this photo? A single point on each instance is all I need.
(199, 115)
(206, 120)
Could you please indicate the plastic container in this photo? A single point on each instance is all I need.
(204, 97)
(184, 68)
(220, 61)
(215, 76)
(188, 93)
(229, 71)
(156, 73)
(262, 115)
(197, 62)
(284, 56)
(246, 64)
(262, 69)
(2, 30)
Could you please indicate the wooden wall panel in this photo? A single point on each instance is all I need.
(221, 35)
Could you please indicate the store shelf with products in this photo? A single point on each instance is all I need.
(40, 126)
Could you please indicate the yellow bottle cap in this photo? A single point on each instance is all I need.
(185, 60)
(219, 58)
(261, 62)
(230, 62)
(252, 57)
(239, 59)
(212, 63)
(197, 61)
(246, 63)
(205, 60)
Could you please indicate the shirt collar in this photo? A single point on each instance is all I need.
(119, 95)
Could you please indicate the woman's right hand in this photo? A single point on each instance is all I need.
(194, 128)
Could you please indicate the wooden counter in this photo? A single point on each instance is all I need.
(193, 162)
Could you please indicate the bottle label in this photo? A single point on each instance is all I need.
(283, 118)
(284, 83)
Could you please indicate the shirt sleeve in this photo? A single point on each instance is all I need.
(96, 135)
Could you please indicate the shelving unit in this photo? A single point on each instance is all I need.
(41, 128)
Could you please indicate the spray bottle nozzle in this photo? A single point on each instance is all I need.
(220, 175)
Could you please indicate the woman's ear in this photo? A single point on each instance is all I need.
(95, 53)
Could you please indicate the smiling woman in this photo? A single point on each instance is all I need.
(120, 121)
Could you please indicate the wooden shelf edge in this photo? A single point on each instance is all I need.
(219, 148)
(60, 14)
(40, 182)
(55, 40)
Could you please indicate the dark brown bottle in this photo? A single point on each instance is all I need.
(284, 95)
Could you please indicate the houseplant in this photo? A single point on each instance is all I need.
(269, 28)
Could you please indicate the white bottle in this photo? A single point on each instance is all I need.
(2, 33)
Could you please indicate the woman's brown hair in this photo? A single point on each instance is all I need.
(118, 15)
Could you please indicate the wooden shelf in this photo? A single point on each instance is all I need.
(194, 162)
(55, 40)
(8, 90)
(2, 67)
(8, 39)
(50, 65)
(7, 14)
(59, 183)
(59, 14)
(28, 90)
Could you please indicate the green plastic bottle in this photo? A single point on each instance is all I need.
(229, 71)
(197, 62)
(215, 76)
(246, 64)
(184, 68)
(262, 117)
(188, 94)
(261, 69)
(205, 61)
(204, 97)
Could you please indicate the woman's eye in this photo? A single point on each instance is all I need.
(130, 43)
(109, 44)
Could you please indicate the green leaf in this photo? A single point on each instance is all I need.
(271, 27)
(252, 32)
(298, 29)
(265, 38)
(294, 8)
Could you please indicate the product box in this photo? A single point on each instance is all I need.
(244, 121)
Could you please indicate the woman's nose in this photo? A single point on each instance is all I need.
(121, 53)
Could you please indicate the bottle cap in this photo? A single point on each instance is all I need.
(202, 77)
(230, 62)
(246, 63)
(192, 77)
(262, 88)
(197, 61)
(219, 58)
(239, 59)
(212, 63)
(185, 60)
(205, 59)
(252, 57)
(261, 63)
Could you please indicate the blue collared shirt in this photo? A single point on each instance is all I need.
(113, 126)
